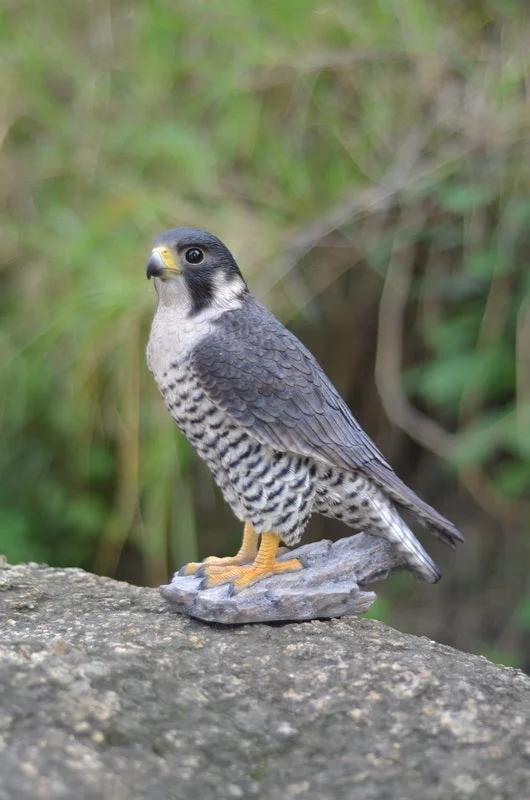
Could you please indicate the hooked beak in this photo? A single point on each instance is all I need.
(162, 264)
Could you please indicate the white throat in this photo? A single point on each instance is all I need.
(175, 330)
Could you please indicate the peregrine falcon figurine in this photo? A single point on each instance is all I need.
(255, 404)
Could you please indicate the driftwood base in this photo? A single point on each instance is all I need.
(331, 585)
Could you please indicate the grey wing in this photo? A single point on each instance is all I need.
(268, 382)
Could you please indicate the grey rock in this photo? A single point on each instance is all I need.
(107, 694)
(331, 585)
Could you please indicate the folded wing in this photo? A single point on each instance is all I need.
(268, 382)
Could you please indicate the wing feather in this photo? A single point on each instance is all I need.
(268, 382)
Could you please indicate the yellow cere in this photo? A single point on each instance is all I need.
(167, 257)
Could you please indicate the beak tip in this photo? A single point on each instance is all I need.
(161, 266)
(155, 266)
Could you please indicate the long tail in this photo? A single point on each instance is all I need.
(392, 527)
(400, 493)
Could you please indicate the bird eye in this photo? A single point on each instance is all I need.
(194, 255)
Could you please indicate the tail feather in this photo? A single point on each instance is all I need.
(399, 534)
(400, 493)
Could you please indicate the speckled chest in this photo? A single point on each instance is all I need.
(272, 490)
(205, 426)
(169, 355)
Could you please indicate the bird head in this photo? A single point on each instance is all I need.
(196, 263)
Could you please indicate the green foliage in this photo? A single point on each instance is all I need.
(380, 610)
(509, 659)
(522, 613)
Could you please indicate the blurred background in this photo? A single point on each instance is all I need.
(368, 164)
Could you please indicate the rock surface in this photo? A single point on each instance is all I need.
(330, 585)
(107, 694)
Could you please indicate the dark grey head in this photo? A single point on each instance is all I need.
(202, 260)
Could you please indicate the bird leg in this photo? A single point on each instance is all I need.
(245, 555)
(264, 564)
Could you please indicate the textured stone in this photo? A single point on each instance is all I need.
(108, 695)
(331, 585)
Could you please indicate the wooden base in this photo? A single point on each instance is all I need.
(332, 584)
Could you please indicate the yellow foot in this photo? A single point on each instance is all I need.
(214, 563)
(190, 568)
(247, 575)
(245, 555)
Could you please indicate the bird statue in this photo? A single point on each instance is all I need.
(257, 407)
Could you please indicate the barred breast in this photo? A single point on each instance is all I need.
(273, 490)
